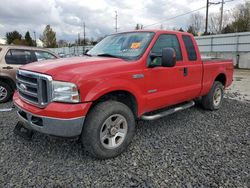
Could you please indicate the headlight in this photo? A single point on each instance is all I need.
(65, 92)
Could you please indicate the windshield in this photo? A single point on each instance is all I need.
(124, 45)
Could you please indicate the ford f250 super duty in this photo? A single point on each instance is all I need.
(143, 74)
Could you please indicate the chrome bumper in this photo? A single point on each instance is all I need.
(52, 126)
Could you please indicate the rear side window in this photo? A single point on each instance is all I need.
(189, 45)
(18, 57)
(41, 55)
(167, 41)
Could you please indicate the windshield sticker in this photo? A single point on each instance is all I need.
(135, 45)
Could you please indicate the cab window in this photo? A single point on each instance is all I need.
(165, 41)
(18, 57)
(189, 45)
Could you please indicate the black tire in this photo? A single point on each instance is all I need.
(91, 134)
(6, 90)
(209, 101)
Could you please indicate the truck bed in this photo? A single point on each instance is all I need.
(211, 68)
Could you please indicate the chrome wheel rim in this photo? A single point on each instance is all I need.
(217, 96)
(3, 93)
(113, 131)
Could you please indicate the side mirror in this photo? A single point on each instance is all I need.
(168, 57)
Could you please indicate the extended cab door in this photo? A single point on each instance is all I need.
(171, 85)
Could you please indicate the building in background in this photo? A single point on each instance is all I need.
(39, 43)
(234, 46)
(3, 41)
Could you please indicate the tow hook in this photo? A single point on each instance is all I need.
(7, 109)
(22, 131)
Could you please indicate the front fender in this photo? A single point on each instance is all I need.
(107, 86)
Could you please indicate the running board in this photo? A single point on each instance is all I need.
(169, 111)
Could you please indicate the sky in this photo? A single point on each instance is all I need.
(66, 17)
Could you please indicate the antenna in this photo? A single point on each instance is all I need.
(116, 15)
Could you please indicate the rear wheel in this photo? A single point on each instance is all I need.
(213, 100)
(108, 130)
(5, 92)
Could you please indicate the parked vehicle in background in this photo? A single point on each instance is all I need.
(11, 58)
(127, 76)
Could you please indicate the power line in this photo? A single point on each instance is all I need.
(164, 20)
(192, 11)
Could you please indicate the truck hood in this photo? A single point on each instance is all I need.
(69, 68)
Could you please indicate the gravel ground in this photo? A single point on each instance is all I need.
(239, 90)
(192, 148)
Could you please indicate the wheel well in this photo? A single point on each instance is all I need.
(9, 81)
(124, 97)
(221, 78)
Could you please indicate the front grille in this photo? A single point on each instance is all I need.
(33, 87)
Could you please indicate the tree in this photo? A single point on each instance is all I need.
(241, 16)
(228, 29)
(181, 30)
(196, 23)
(49, 37)
(192, 30)
(11, 36)
(28, 39)
(214, 23)
(138, 26)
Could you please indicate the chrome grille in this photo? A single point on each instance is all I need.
(33, 87)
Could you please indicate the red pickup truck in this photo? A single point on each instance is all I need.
(143, 74)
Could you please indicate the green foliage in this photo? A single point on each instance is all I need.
(28, 39)
(49, 37)
(227, 29)
(241, 21)
(20, 42)
(11, 36)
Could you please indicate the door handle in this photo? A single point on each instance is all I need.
(8, 67)
(185, 71)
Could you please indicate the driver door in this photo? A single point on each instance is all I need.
(165, 84)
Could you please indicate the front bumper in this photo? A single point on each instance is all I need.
(52, 126)
(58, 119)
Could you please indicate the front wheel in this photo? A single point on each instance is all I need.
(213, 100)
(108, 130)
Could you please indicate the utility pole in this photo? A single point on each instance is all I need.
(206, 17)
(221, 14)
(84, 34)
(79, 39)
(35, 37)
(116, 21)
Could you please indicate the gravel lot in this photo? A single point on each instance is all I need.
(192, 148)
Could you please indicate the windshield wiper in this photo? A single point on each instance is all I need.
(108, 55)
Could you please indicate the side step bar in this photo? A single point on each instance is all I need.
(169, 111)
